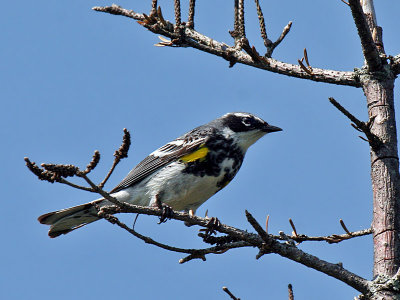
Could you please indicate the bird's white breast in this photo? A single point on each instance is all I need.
(181, 191)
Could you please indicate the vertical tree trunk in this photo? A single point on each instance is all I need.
(385, 178)
(379, 91)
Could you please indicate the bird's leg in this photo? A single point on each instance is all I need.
(167, 211)
(191, 214)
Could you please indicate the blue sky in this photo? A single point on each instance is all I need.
(73, 78)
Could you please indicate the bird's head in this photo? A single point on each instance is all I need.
(245, 128)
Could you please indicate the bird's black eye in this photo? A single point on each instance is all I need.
(246, 122)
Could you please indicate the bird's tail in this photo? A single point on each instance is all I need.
(68, 219)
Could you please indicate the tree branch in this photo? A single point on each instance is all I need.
(194, 39)
(369, 49)
(266, 243)
(373, 140)
(119, 154)
(226, 290)
(293, 253)
(104, 212)
(261, 21)
(290, 291)
(153, 7)
(275, 44)
(177, 9)
(192, 5)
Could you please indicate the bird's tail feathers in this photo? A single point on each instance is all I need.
(68, 219)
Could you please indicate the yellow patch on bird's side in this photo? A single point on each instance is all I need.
(196, 155)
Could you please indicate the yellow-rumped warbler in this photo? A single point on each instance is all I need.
(182, 174)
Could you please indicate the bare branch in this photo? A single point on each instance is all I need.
(370, 51)
(119, 154)
(235, 33)
(104, 212)
(226, 290)
(293, 253)
(290, 291)
(331, 239)
(308, 69)
(272, 47)
(93, 163)
(177, 9)
(198, 41)
(261, 21)
(192, 5)
(118, 10)
(79, 187)
(373, 140)
(344, 227)
(242, 30)
(293, 227)
(153, 7)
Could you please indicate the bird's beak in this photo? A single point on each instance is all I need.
(269, 128)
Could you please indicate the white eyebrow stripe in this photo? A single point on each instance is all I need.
(243, 115)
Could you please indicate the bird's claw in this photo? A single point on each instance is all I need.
(167, 213)
(212, 225)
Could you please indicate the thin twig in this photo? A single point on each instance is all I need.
(290, 291)
(235, 33)
(93, 163)
(373, 140)
(177, 10)
(119, 154)
(291, 252)
(345, 2)
(242, 31)
(160, 17)
(266, 224)
(79, 187)
(293, 227)
(370, 51)
(275, 44)
(153, 7)
(192, 5)
(261, 21)
(344, 227)
(308, 69)
(265, 236)
(226, 290)
(330, 239)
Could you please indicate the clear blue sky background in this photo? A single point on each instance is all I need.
(72, 79)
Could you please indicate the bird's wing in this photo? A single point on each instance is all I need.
(182, 147)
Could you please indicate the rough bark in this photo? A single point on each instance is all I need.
(385, 177)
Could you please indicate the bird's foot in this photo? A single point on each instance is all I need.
(167, 213)
(212, 225)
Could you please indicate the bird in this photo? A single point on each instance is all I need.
(182, 174)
